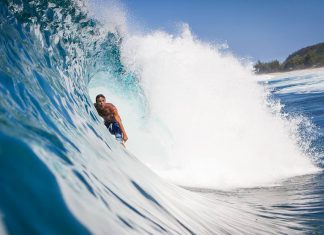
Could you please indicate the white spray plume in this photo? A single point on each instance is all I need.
(220, 131)
(111, 13)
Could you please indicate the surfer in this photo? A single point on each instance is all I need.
(111, 117)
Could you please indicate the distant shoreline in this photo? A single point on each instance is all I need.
(301, 71)
(305, 58)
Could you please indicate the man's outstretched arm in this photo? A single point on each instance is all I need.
(118, 120)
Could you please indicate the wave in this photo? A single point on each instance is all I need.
(62, 173)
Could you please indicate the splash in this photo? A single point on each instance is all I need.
(209, 123)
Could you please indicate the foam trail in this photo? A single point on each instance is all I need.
(208, 116)
(304, 81)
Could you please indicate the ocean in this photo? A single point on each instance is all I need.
(212, 149)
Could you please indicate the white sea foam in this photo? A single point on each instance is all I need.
(220, 131)
(301, 81)
(209, 124)
(111, 13)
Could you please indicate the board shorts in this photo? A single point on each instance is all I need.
(115, 130)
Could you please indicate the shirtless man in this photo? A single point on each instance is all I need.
(112, 119)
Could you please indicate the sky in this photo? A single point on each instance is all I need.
(256, 29)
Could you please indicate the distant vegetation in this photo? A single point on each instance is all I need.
(308, 57)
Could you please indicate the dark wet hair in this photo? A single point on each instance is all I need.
(100, 95)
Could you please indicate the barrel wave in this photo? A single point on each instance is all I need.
(61, 172)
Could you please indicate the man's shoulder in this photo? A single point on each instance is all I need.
(110, 105)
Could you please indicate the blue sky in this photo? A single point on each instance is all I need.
(261, 29)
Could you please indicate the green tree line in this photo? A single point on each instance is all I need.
(308, 57)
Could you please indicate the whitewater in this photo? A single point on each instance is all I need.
(212, 149)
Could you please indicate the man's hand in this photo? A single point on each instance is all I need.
(125, 137)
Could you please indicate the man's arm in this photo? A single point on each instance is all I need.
(118, 120)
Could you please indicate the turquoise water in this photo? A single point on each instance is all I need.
(62, 173)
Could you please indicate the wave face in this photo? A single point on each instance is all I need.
(61, 172)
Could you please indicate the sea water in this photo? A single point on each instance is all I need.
(212, 148)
